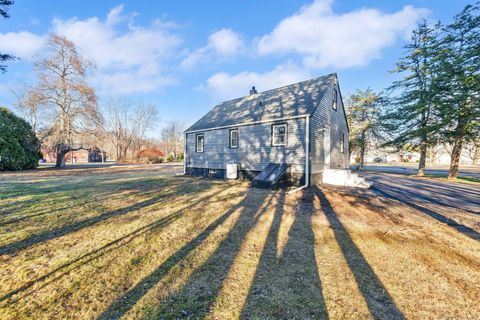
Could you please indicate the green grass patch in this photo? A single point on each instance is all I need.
(440, 177)
(466, 180)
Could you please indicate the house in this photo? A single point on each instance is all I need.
(85, 155)
(297, 132)
(79, 156)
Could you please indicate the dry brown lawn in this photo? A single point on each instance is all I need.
(138, 243)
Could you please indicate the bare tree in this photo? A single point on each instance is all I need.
(473, 151)
(448, 148)
(436, 151)
(172, 138)
(62, 90)
(126, 124)
(29, 105)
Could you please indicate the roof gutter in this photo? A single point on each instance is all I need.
(307, 157)
(249, 123)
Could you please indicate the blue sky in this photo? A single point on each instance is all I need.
(186, 56)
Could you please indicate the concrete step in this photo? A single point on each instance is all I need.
(344, 177)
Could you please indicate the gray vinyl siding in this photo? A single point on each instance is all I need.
(324, 116)
(255, 148)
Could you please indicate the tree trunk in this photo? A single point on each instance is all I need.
(60, 160)
(423, 156)
(362, 151)
(362, 158)
(433, 155)
(455, 159)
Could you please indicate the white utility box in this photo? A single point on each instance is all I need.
(232, 171)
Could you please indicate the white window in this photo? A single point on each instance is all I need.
(233, 138)
(199, 140)
(342, 143)
(334, 106)
(279, 134)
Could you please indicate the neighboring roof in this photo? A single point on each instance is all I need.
(299, 99)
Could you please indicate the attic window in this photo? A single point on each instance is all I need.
(334, 105)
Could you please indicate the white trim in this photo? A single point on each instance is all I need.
(327, 150)
(185, 155)
(307, 157)
(249, 123)
(184, 158)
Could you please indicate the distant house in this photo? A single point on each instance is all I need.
(84, 156)
(79, 156)
(297, 133)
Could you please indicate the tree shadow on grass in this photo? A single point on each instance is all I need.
(67, 190)
(99, 197)
(38, 214)
(379, 301)
(288, 286)
(469, 232)
(47, 235)
(76, 263)
(190, 294)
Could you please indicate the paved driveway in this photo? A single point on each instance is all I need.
(454, 204)
(451, 195)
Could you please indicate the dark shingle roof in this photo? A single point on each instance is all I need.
(289, 101)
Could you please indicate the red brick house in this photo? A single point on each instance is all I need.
(80, 156)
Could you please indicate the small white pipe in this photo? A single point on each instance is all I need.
(307, 156)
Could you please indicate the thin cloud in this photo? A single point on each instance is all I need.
(327, 39)
(129, 58)
(224, 85)
(224, 43)
(128, 62)
(23, 44)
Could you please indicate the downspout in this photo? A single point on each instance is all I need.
(307, 157)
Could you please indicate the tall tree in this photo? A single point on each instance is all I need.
(473, 151)
(65, 95)
(411, 116)
(363, 115)
(458, 92)
(4, 6)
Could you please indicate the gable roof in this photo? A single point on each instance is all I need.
(295, 100)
